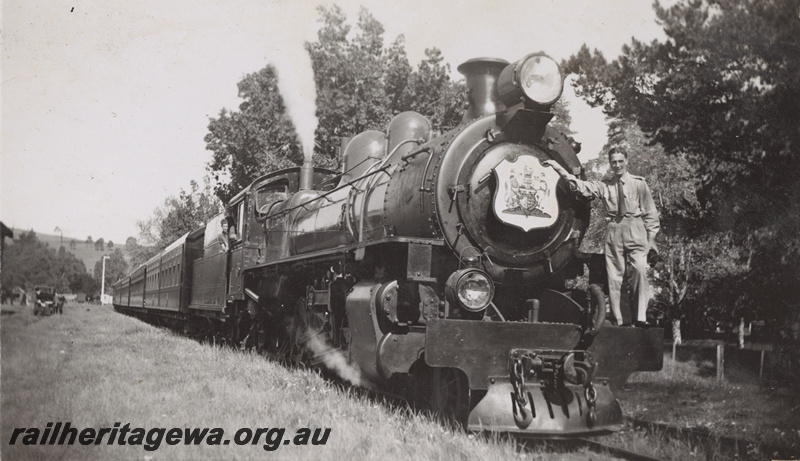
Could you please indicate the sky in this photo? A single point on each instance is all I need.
(105, 103)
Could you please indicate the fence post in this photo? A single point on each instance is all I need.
(672, 365)
(761, 367)
(741, 333)
(720, 361)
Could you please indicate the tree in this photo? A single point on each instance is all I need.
(137, 254)
(110, 245)
(723, 89)
(130, 242)
(73, 245)
(430, 92)
(253, 141)
(351, 95)
(99, 244)
(562, 120)
(176, 217)
(89, 241)
(722, 92)
(28, 262)
(116, 269)
(361, 84)
(396, 74)
(84, 283)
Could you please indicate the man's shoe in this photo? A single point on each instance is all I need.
(642, 324)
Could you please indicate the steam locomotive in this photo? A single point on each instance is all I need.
(430, 265)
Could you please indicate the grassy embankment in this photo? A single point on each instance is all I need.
(94, 367)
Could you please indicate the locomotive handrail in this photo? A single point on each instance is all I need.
(404, 158)
(422, 187)
(382, 168)
(413, 154)
(326, 194)
(331, 179)
(348, 206)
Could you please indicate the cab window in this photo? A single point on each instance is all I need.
(267, 196)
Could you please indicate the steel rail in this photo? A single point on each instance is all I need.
(600, 447)
(573, 443)
(733, 445)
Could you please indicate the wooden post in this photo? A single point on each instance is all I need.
(761, 367)
(741, 333)
(720, 361)
(672, 365)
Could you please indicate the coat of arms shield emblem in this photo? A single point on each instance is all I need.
(525, 196)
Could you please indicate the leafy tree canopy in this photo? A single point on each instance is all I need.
(116, 268)
(28, 262)
(256, 139)
(176, 217)
(722, 89)
(360, 84)
(721, 96)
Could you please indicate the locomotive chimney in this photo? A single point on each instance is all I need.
(481, 75)
(306, 175)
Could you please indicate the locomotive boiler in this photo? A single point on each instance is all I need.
(432, 265)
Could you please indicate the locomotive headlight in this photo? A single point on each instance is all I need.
(536, 77)
(471, 289)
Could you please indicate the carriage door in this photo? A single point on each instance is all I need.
(235, 281)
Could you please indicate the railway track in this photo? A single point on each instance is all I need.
(595, 445)
(714, 446)
(601, 447)
(726, 446)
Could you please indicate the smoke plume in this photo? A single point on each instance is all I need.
(296, 84)
(334, 360)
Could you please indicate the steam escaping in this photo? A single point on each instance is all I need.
(296, 84)
(333, 359)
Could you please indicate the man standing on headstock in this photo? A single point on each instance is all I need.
(632, 227)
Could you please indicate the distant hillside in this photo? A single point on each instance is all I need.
(85, 253)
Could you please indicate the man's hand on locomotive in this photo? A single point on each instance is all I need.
(559, 169)
(652, 255)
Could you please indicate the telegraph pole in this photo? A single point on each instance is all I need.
(103, 281)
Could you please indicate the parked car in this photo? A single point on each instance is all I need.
(47, 301)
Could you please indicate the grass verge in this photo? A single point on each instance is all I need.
(94, 367)
(683, 393)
